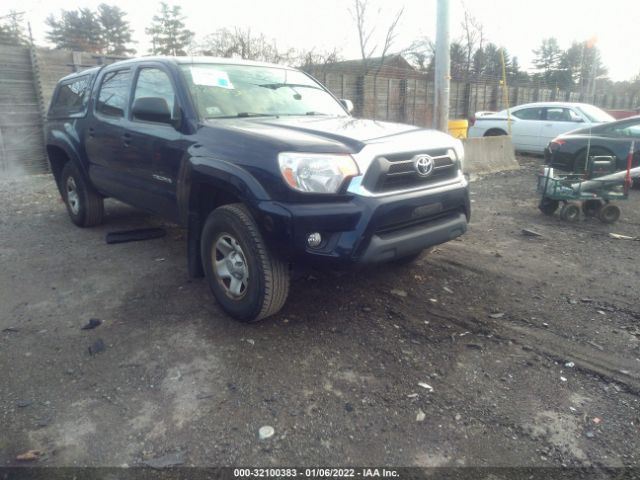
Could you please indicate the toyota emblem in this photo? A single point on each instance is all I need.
(424, 165)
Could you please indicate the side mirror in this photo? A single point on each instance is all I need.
(578, 120)
(152, 109)
(347, 104)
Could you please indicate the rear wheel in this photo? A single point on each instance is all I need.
(84, 205)
(248, 282)
(570, 212)
(590, 208)
(580, 160)
(609, 213)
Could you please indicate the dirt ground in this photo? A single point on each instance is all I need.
(529, 347)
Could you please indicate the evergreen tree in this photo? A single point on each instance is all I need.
(169, 35)
(77, 30)
(547, 59)
(458, 57)
(115, 30)
(102, 32)
(12, 30)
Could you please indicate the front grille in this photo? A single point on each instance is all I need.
(397, 172)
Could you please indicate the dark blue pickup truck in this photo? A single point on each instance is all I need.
(261, 163)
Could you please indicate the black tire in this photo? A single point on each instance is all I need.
(495, 132)
(84, 205)
(609, 213)
(570, 212)
(548, 206)
(264, 279)
(580, 159)
(591, 208)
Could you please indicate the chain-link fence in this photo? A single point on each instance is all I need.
(403, 94)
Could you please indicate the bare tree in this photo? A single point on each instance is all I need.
(243, 43)
(421, 53)
(473, 33)
(308, 58)
(367, 33)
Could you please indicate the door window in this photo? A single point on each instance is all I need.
(626, 130)
(153, 82)
(559, 114)
(114, 90)
(528, 114)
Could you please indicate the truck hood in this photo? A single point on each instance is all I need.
(332, 133)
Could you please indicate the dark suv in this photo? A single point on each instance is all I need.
(261, 163)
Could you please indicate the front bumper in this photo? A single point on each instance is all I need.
(367, 229)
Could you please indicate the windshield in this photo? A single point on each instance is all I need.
(224, 91)
(594, 114)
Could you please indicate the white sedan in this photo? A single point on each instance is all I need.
(534, 125)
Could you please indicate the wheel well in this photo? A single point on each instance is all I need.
(494, 132)
(581, 155)
(205, 198)
(57, 159)
(583, 151)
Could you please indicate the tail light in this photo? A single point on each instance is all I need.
(472, 121)
(556, 143)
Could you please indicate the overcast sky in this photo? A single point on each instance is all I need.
(518, 25)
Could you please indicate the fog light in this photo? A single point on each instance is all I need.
(314, 239)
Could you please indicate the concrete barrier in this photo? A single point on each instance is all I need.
(489, 154)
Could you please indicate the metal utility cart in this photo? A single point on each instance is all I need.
(591, 192)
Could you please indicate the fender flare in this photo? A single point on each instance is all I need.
(58, 140)
(221, 175)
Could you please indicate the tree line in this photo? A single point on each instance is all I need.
(106, 31)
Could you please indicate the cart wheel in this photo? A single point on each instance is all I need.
(570, 212)
(609, 213)
(548, 206)
(590, 208)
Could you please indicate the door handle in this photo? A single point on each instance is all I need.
(91, 131)
(126, 139)
(549, 125)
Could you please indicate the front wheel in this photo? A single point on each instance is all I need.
(247, 280)
(570, 212)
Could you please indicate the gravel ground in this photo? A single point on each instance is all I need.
(499, 349)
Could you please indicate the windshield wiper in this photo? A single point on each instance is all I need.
(275, 86)
(244, 115)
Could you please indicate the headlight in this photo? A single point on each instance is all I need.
(459, 150)
(316, 172)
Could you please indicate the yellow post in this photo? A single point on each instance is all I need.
(505, 91)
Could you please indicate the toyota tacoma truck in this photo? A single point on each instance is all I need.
(262, 165)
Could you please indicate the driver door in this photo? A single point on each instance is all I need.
(153, 150)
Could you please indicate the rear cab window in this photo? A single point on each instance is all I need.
(71, 97)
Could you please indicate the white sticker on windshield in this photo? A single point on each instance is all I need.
(211, 78)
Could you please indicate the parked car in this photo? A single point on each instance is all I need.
(533, 125)
(261, 163)
(568, 152)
